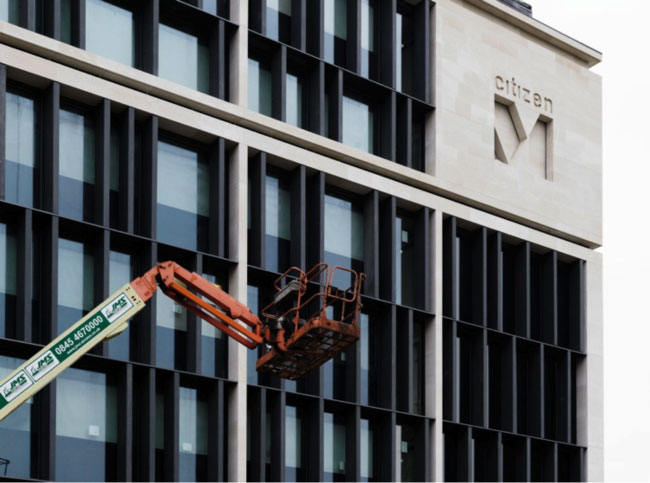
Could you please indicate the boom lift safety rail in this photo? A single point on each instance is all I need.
(307, 323)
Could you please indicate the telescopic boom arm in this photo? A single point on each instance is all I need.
(317, 332)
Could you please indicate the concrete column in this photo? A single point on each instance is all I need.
(239, 55)
(237, 286)
(434, 381)
(589, 391)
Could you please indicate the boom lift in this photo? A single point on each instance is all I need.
(306, 324)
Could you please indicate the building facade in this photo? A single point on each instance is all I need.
(449, 149)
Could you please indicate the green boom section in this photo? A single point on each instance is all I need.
(100, 323)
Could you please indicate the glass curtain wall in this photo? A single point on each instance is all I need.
(358, 124)
(344, 237)
(214, 345)
(171, 333)
(335, 31)
(278, 20)
(76, 280)
(15, 432)
(183, 197)
(110, 31)
(368, 55)
(405, 260)
(278, 223)
(259, 86)
(193, 435)
(333, 448)
(293, 459)
(21, 149)
(9, 11)
(120, 272)
(7, 279)
(183, 58)
(86, 426)
(76, 165)
(294, 110)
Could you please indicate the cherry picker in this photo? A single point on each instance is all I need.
(308, 322)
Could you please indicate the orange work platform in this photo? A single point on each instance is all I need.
(312, 322)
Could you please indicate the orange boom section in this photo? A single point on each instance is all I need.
(309, 321)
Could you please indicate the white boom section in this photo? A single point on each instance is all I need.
(106, 320)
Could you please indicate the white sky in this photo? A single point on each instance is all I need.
(621, 30)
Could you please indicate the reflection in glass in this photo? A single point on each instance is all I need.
(7, 279)
(192, 435)
(368, 56)
(114, 180)
(21, 145)
(335, 31)
(418, 367)
(160, 434)
(408, 462)
(294, 101)
(369, 381)
(404, 49)
(214, 346)
(367, 451)
(344, 237)
(333, 448)
(278, 20)
(86, 424)
(278, 223)
(358, 125)
(66, 21)
(171, 333)
(76, 165)
(9, 11)
(15, 430)
(183, 58)
(183, 197)
(405, 261)
(252, 298)
(120, 272)
(417, 143)
(259, 87)
(76, 280)
(110, 31)
(334, 373)
(293, 470)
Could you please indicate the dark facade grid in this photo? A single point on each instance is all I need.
(398, 130)
(512, 344)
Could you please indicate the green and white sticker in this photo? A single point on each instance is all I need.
(42, 365)
(15, 386)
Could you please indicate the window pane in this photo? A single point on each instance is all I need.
(278, 20)
(183, 58)
(369, 378)
(120, 272)
(216, 7)
(214, 346)
(368, 57)
(110, 31)
(76, 165)
(171, 333)
(252, 297)
(335, 31)
(76, 281)
(408, 466)
(405, 260)
(66, 21)
(86, 425)
(294, 101)
(278, 224)
(404, 50)
(193, 435)
(344, 237)
(7, 279)
(114, 181)
(418, 367)
(259, 87)
(15, 430)
(21, 149)
(160, 434)
(358, 125)
(183, 197)
(293, 445)
(333, 448)
(9, 11)
(367, 451)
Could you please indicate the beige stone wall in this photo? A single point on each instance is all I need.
(474, 47)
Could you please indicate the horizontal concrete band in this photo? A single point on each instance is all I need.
(135, 84)
(195, 124)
